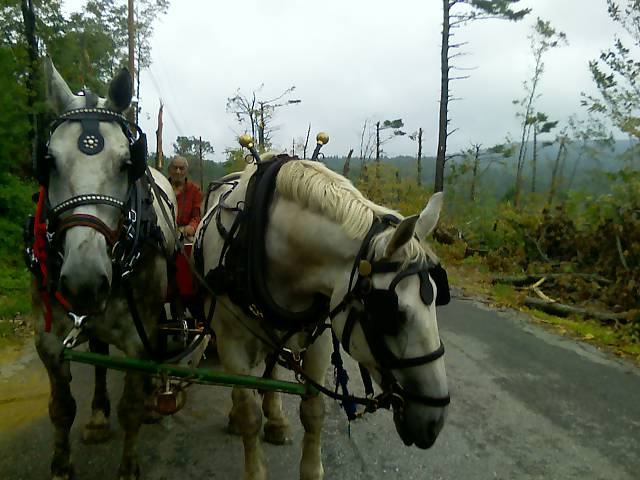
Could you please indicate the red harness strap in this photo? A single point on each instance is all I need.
(40, 252)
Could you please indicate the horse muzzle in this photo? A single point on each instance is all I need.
(86, 295)
(418, 425)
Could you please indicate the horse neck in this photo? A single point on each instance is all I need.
(310, 251)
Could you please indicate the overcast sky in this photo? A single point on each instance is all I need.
(352, 60)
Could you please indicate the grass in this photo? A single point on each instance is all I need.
(15, 298)
(474, 279)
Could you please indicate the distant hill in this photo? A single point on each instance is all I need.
(581, 168)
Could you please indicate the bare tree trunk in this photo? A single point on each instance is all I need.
(132, 53)
(261, 129)
(443, 121)
(137, 76)
(419, 179)
(554, 173)
(306, 142)
(534, 161)
(159, 153)
(362, 149)
(476, 164)
(345, 168)
(293, 147)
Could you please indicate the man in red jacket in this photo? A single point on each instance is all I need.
(188, 195)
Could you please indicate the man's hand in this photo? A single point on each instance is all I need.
(189, 230)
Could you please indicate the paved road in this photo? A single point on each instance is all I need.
(526, 404)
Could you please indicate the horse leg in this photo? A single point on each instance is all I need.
(130, 413)
(245, 416)
(277, 429)
(98, 429)
(62, 410)
(315, 364)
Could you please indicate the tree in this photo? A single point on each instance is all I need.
(591, 138)
(417, 136)
(390, 129)
(473, 10)
(616, 73)
(190, 147)
(541, 124)
(542, 39)
(259, 114)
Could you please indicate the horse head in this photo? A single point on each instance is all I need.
(87, 172)
(387, 321)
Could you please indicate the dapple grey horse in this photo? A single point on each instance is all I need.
(89, 192)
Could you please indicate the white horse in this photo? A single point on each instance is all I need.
(109, 231)
(323, 238)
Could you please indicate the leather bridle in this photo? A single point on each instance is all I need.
(378, 313)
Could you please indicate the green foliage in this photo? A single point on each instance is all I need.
(235, 160)
(496, 8)
(191, 147)
(88, 47)
(616, 73)
(15, 205)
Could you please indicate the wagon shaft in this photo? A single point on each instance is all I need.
(196, 375)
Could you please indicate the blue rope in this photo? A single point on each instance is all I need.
(342, 378)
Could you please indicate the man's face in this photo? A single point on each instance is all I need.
(178, 170)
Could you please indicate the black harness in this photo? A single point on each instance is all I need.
(241, 267)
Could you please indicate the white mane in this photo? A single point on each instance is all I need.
(314, 186)
(318, 188)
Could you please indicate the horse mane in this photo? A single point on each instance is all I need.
(316, 187)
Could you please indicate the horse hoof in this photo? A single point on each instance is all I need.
(93, 433)
(277, 433)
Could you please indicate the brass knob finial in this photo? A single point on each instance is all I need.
(245, 140)
(322, 138)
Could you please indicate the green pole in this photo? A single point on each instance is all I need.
(196, 375)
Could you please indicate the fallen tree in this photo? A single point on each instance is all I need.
(563, 310)
(523, 280)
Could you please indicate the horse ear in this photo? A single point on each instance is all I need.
(59, 94)
(429, 216)
(120, 91)
(404, 232)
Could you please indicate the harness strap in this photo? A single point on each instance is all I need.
(91, 221)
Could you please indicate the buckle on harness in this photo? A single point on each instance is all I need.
(71, 340)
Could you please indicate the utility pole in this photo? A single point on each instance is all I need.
(201, 164)
(261, 128)
(131, 27)
(159, 153)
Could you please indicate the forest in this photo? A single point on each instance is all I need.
(548, 220)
